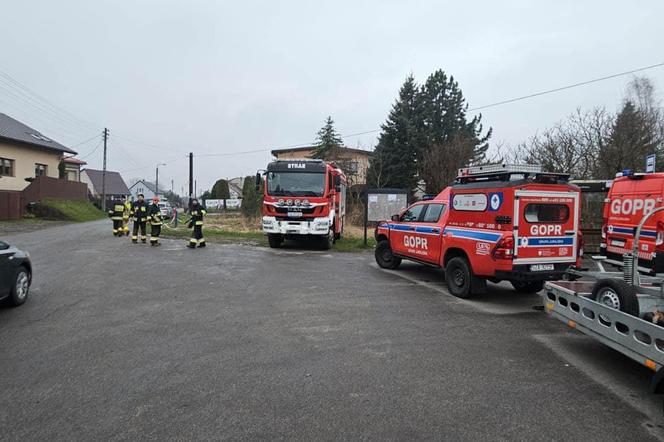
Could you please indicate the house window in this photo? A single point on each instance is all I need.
(6, 167)
(40, 169)
(71, 175)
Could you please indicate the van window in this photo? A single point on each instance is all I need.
(546, 213)
(413, 213)
(432, 215)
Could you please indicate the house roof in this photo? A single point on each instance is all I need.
(115, 185)
(150, 185)
(14, 130)
(304, 149)
(72, 160)
(234, 187)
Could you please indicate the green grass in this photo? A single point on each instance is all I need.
(346, 244)
(69, 210)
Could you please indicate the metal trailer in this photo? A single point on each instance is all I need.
(642, 341)
(611, 307)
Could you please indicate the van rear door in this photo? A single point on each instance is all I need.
(545, 228)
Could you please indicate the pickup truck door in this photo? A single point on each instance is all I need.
(401, 231)
(546, 224)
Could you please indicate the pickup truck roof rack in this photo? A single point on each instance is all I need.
(504, 172)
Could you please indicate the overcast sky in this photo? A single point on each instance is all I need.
(219, 77)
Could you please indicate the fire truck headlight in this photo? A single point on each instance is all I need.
(280, 202)
(305, 202)
(289, 202)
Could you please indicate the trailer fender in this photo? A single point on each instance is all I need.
(657, 382)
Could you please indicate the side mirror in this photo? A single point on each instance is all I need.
(395, 218)
(258, 181)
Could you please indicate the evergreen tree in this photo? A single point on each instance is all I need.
(633, 137)
(445, 135)
(220, 190)
(252, 200)
(394, 161)
(328, 142)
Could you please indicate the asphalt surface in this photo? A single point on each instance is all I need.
(126, 342)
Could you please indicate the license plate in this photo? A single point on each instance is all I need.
(617, 243)
(294, 214)
(541, 267)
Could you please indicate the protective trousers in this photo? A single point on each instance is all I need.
(197, 237)
(117, 227)
(155, 231)
(139, 225)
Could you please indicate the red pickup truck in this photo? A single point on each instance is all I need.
(496, 223)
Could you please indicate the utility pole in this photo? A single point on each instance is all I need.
(156, 180)
(103, 175)
(172, 188)
(191, 177)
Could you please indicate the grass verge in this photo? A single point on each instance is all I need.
(68, 210)
(258, 238)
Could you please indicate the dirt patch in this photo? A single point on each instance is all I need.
(27, 225)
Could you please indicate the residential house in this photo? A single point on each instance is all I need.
(26, 153)
(234, 190)
(114, 187)
(354, 162)
(73, 168)
(147, 188)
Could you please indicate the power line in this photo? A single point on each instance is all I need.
(583, 83)
(93, 150)
(60, 111)
(86, 141)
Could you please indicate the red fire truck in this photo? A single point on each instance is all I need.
(496, 222)
(303, 197)
(633, 195)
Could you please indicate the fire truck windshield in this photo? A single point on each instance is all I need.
(296, 184)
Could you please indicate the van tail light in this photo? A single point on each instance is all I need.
(581, 243)
(504, 249)
(659, 240)
(605, 226)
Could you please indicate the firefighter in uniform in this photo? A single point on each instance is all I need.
(116, 215)
(197, 213)
(154, 214)
(140, 211)
(125, 216)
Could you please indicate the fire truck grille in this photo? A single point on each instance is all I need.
(305, 211)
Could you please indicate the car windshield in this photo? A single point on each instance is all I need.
(3, 245)
(295, 183)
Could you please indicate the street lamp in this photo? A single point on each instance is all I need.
(156, 181)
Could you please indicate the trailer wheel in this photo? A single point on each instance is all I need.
(460, 279)
(527, 286)
(275, 240)
(617, 294)
(384, 256)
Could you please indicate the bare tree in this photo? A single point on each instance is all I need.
(440, 163)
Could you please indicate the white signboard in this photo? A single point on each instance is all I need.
(233, 203)
(381, 206)
(472, 202)
(214, 204)
(650, 163)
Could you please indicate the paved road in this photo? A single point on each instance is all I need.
(122, 341)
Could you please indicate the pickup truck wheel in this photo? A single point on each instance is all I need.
(384, 256)
(527, 286)
(460, 279)
(618, 295)
(275, 240)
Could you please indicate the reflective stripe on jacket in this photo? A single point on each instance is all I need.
(155, 215)
(197, 215)
(140, 211)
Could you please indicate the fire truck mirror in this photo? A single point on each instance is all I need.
(258, 181)
(337, 183)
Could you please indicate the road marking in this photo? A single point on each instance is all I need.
(650, 405)
(503, 305)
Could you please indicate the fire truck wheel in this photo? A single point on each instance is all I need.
(527, 286)
(384, 256)
(460, 279)
(617, 294)
(275, 240)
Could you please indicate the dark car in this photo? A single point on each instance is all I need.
(15, 274)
